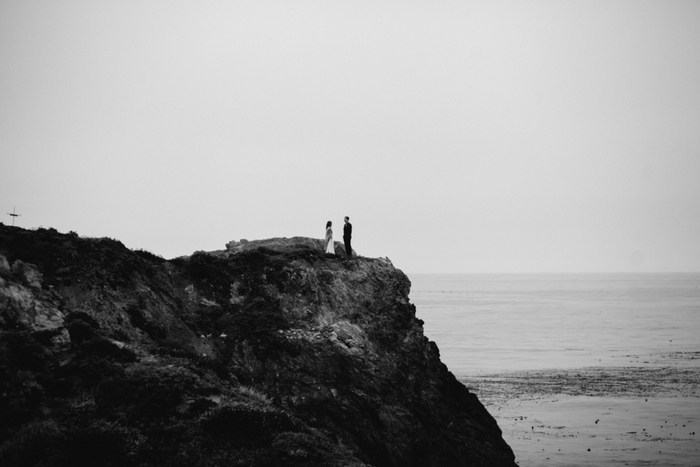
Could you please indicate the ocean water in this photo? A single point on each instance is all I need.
(488, 323)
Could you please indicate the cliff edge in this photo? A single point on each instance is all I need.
(267, 353)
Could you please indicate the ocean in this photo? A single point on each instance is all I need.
(486, 323)
(579, 370)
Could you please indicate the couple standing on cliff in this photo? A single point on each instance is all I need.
(347, 235)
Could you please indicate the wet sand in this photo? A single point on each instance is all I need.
(645, 414)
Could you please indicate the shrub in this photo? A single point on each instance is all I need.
(247, 422)
(149, 256)
(103, 443)
(33, 444)
(146, 392)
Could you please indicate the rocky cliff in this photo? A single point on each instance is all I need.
(267, 353)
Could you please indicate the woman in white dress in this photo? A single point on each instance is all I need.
(330, 247)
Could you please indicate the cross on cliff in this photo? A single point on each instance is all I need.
(13, 215)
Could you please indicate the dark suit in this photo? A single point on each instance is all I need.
(347, 235)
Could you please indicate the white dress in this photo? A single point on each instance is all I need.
(330, 246)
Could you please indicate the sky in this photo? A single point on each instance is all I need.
(458, 136)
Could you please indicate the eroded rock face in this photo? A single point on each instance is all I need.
(266, 353)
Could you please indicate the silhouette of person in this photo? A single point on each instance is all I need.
(347, 236)
(329, 246)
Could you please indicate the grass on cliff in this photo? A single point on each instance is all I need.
(103, 407)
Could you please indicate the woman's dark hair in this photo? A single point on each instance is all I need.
(328, 224)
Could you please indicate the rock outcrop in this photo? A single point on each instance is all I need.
(268, 353)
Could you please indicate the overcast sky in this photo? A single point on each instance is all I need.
(494, 136)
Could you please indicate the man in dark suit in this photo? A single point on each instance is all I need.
(347, 235)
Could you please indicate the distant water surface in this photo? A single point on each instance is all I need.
(485, 323)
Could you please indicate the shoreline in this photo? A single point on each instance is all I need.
(599, 416)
